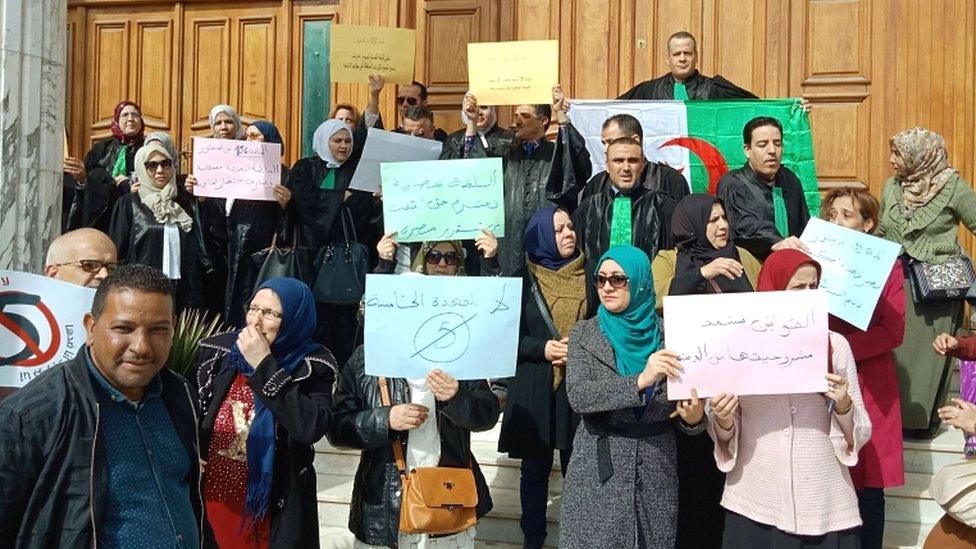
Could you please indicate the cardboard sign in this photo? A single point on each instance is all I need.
(513, 73)
(383, 146)
(357, 51)
(227, 168)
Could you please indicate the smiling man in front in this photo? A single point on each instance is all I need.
(102, 449)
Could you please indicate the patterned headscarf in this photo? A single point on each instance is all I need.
(419, 264)
(926, 165)
(160, 201)
(232, 113)
(117, 128)
(167, 142)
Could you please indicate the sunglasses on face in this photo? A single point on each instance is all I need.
(451, 259)
(91, 266)
(154, 165)
(616, 281)
(412, 101)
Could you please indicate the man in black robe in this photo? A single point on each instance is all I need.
(538, 172)
(414, 95)
(764, 200)
(625, 125)
(684, 81)
(647, 222)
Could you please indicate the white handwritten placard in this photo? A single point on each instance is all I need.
(465, 326)
(41, 324)
(443, 199)
(227, 168)
(755, 343)
(855, 268)
(383, 146)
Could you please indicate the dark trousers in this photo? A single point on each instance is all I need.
(534, 492)
(871, 503)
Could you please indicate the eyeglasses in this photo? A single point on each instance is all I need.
(616, 281)
(268, 314)
(91, 266)
(451, 259)
(412, 101)
(154, 165)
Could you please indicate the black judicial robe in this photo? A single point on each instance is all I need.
(498, 142)
(698, 86)
(92, 204)
(664, 179)
(749, 207)
(546, 177)
(651, 213)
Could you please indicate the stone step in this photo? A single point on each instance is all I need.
(928, 456)
(905, 535)
(911, 503)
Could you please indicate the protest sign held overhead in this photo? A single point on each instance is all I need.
(383, 146)
(755, 343)
(443, 199)
(513, 73)
(41, 324)
(357, 51)
(465, 326)
(226, 168)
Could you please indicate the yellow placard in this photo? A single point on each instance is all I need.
(357, 51)
(513, 73)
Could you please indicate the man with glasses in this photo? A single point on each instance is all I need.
(628, 211)
(83, 257)
(414, 95)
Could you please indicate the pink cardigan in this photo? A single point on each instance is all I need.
(786, 459)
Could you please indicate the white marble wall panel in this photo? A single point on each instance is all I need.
(32, 100)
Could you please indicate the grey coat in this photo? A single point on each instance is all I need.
(638, 505)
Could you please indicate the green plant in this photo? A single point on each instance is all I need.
(192, 326)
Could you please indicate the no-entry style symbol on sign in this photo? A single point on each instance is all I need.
(32, 354)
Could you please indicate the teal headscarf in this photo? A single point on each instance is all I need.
(634, 334)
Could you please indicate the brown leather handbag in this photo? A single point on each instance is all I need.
(436, 500)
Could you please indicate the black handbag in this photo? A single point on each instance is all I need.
(274, 261)
(341, 277)
(949, 281)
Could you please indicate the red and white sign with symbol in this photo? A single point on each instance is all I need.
(41, 324)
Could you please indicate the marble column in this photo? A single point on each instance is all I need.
(33, 80)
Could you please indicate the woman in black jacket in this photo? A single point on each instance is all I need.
(538, 418)
(153, 226)
(441, 438)
(265, 394)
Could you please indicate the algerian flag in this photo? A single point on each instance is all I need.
(703, 139)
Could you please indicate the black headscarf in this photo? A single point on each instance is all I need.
(688, 226)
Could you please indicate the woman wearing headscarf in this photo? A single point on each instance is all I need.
(880, 463)
(792, 489)
(494, 139)
(705, 261)
(431, 419)
(153, 226)
(103, 178)
(320, 190)
(538, 418)
(265, 394)
(621, 488)
(921, 207)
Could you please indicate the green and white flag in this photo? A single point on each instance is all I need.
(703, 139)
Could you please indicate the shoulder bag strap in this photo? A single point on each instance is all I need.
(397, 446)
(351, 228)
(543, 306)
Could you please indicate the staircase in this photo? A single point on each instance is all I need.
(911, 513)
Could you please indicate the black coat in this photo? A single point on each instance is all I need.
(53, 474)
(93, 203)
(698, 86)
(537, 420)
(665, 179)
(361, 422)
(139, 239)
(301, 404)
(651, 213)
(498, 142)
(749, 208)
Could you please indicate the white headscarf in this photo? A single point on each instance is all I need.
(320, 141)
(159, 201)
(167, 142)
(492, 117)
(229, 111)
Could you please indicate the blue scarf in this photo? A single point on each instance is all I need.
(291, 346)
(539, 241)
(270, 133)
(634, 333)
